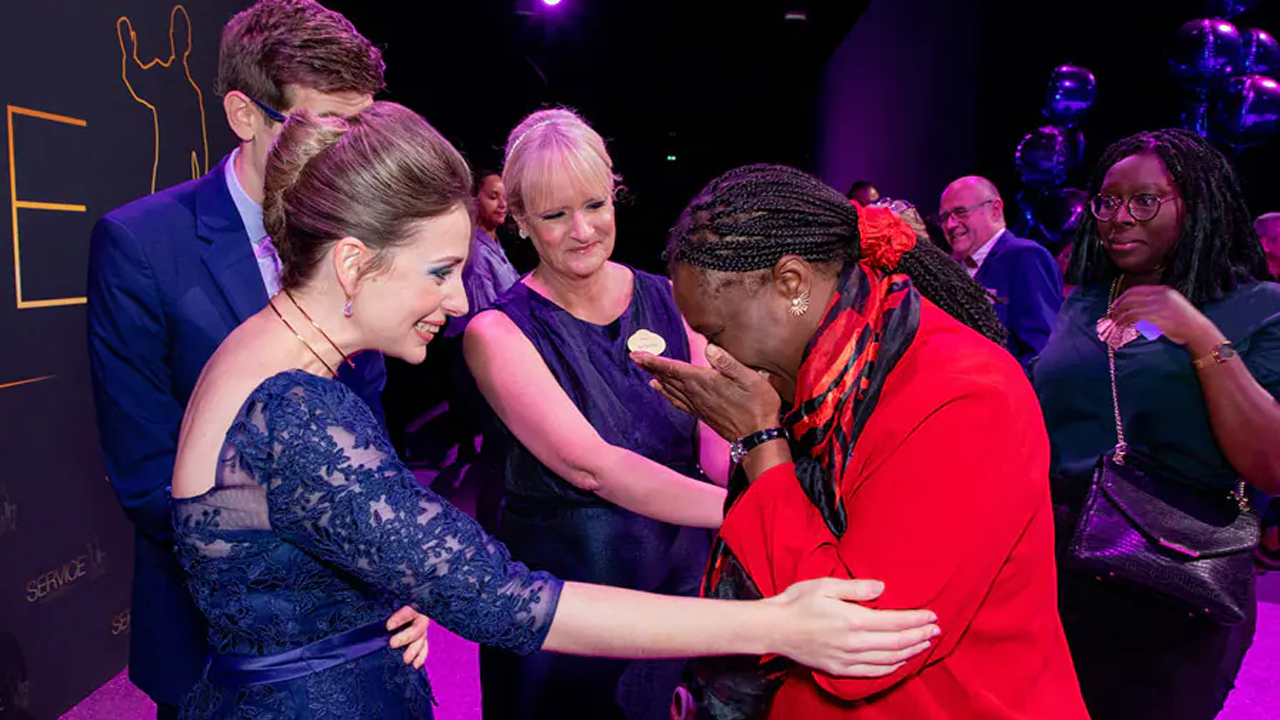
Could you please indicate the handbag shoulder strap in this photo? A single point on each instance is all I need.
(1122, 447)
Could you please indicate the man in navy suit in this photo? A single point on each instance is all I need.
(172, 274)
(1021, 276)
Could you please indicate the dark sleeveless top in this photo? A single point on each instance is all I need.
(551, 525)
(591, 362)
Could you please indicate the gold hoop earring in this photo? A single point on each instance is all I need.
(799, 305)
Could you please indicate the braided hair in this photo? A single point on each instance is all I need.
(749, 218)
(1217, 248)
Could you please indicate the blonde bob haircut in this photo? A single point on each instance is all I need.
(551, 144)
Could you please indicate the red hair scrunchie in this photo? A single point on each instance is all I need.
(885, 236)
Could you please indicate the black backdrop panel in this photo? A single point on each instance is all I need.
(100, 107)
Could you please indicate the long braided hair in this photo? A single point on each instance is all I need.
(749, 218)
(1217, 248)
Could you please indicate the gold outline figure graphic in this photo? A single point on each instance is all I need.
(124, 28)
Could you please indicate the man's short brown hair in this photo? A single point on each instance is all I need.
(277, 43)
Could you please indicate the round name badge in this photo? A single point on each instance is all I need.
(646, 341)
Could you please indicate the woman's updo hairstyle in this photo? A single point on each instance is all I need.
(371, 176)
(554, 143)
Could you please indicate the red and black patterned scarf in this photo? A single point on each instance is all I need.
(870, 323)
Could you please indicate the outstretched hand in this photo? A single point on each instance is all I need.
(732, 399)
(832, 633)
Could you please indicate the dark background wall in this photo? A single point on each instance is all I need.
(907, 93)
(923, 91)
(80, 138)
(712, 83)
(899, 99)
(1126, 44)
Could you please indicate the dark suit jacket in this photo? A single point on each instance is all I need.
(170, 276)
(1027, 285)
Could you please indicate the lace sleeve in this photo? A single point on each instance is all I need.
(336, 489)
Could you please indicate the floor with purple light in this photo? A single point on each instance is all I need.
(454, 669)
(453, 666)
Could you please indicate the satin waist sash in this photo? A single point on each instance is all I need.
(239, 670)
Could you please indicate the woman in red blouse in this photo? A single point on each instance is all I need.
(921, 455)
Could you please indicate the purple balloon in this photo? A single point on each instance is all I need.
(1075, 141)
(1246, 111)
(1195, 117)
(1228, 8)
(1023, 222)
(1058, 214)
(1261, 55)
(1069, 95)
(1205, 52)
(1044, 157)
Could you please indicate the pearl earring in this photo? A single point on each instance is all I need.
(524, 234)
(348, 310)
(799, 305)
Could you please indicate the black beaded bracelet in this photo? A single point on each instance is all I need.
(744, 445)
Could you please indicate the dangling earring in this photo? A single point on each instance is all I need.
(799, 305)
(348, 310)
(524, 234)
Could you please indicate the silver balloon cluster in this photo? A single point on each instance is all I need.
(1047, 211)
(1230, 76)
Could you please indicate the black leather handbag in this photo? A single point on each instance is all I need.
(1144, 525)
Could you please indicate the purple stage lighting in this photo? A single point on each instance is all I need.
(551, 3)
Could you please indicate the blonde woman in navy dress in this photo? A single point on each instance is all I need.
(605, 482)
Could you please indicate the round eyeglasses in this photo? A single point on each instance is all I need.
(1142, 207)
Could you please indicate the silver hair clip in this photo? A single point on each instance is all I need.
(520, 139)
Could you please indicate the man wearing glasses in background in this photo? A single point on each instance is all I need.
(172, 274)
(1022, 277)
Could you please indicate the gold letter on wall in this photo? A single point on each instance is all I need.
(17, 205)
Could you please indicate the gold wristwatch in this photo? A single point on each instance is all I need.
(1220, 353)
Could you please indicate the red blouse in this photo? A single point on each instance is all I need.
(947, 499)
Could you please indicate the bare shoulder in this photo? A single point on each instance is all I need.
(490, 334)
(488, 325)
(241, 364)
(248, 356)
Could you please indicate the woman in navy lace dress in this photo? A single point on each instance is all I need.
(301, 530)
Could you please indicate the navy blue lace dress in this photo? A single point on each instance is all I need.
(314, 529)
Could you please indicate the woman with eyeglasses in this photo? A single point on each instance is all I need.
(1171, 286)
